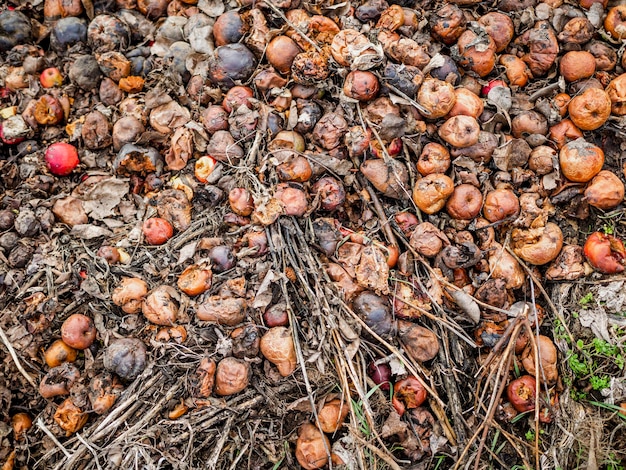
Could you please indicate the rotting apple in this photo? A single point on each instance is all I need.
(78, 331)
(407, 394)
(605, 253)
(157, 230)
(380, 375)
(521, 393)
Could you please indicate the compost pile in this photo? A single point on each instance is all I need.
(300, 234)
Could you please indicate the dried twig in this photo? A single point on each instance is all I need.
(40, 424)
(219, 445)
(16, 359)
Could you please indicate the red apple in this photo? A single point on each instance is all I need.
(9, 140)
(61, 158)
(491, 85)
(521, 393)
(408, 393)
(605, 253)
(51, 77)
(157, 231)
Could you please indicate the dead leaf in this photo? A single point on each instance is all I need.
(397, 367)
(187, 252)
(213, 8)
(612, 296)
(103, 197)
(264, 295)
(513, 154)
(90, 286)
(373, 271)
(89, 231)
(500, 97)
(598, 321)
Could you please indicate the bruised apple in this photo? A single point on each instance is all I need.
(605, 253)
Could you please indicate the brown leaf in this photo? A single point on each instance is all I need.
(373, 271)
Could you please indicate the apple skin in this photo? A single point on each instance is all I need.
(51, 77)
(61, 158)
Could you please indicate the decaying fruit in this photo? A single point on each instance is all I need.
(548, 371)
(605, 191)
(195, 279)
(312, 447)
(232, 376)
(159, 306)
(408, 393)
(58, 353)
(278, 348)
(432, 191)
(539, 245)
(78, 331)
(521, 393)
(130, 294)
(580, 160)
(605, 253)
(70, 417)
(332, 415)
(126, 357)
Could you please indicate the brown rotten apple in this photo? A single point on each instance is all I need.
(332, 415)
(432, 191)
(605, 191)
(460, 131)
(590, 109)
(466, 103)
(436, 97)
(195, 279)
(129, 294)
(477, 50)
(576, 65)
(547, 358)
(361, 85)
(434, 158)
(500, 204)
(159, 306)
(278, 348)
(617, 93)
(538, 246)
(465, 203)
(580, 160)
(232, 376)
(59, 353)
(312, 447)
